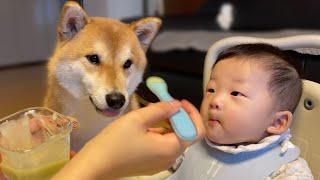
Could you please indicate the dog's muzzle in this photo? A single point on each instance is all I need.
(115, 102)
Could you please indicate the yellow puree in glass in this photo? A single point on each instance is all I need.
(45, 172)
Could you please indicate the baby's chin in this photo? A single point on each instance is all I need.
(216, 139)
(227, 142)
(222, 140)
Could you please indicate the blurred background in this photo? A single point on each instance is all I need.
(177, 54)
(28, 31)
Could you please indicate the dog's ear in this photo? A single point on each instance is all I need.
(146, 29)
(72, 20)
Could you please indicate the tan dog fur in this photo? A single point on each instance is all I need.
(73, 79)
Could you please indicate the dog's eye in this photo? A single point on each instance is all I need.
(94, 59)
(127, 64)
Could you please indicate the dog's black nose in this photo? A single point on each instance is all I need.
(115, 100)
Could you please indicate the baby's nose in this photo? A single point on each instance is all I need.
(215, 106)
(216, 103)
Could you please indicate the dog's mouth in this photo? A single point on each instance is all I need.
(109, 112)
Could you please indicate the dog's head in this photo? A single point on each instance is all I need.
(101, 59)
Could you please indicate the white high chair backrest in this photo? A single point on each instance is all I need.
(306, 125)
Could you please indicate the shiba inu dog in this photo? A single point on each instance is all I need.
(95, 68)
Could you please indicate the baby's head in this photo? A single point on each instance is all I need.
(252, 93)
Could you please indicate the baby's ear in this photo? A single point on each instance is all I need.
(281, 122)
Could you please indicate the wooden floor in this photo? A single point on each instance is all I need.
(21, 87)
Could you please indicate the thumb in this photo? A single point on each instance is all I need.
(157, 112)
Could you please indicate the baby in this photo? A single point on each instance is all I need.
(247, 111)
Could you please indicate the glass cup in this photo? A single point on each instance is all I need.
(34, 143)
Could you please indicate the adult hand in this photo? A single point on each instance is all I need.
(127, 148)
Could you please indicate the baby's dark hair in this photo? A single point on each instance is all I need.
(285, 82)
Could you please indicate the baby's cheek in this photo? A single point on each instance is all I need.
(235, 125)
(204, 107)
(204, 113)
(244, 129)
(211, 136)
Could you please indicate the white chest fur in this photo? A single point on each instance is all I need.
(91, 122)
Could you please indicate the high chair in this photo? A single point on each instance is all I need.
(306, 124)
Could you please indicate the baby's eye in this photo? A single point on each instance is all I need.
(236, 93)
(211, 90)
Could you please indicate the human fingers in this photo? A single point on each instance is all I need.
(72, 154)
(196, 118)
(156, 112)
(149, 104)
(2, 176)
(34, 126)
(159, 130)
(39, 123)
(75, 123)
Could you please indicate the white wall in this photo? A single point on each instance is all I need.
(28, 27)
(117, 9)
(155, 7)
(96, 7)
(27, 30)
